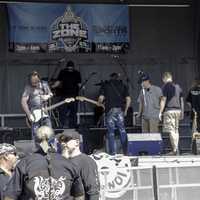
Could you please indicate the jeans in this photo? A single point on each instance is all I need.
(43, 122)
(114, 119)
(70, 108)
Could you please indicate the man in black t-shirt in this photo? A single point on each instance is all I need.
(193, 99)
(70, 143)
(117, 102)
(69, 81)
(44, 175)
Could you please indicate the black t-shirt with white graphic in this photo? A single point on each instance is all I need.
(194, 98)
(36, 177)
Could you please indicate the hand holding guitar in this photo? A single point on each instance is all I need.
(45, 97)
(81, 98)
(31, 118)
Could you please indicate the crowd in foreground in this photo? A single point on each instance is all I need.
(46, 174)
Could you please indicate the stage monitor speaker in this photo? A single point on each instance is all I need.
(144, 144)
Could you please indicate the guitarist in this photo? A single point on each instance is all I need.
(35, 96)
(117, 101)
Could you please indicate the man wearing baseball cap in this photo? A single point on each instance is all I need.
(70, 144)
(8, 158)
(149, 105)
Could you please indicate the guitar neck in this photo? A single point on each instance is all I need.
(91, 101)
(55, 105)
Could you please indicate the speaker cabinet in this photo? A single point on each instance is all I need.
(144, 144)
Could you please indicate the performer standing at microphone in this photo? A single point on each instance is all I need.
(69, 80)
(35, 96)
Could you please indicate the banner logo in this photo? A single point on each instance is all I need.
(68, 32)
(115, 176)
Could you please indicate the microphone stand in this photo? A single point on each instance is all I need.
(82, 88)
(122, 66)
(86, 80)
(143, 92)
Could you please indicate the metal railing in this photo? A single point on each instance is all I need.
(171, 182)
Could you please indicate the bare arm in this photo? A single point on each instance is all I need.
(162, 106)
(182, 108)
(128, 103)
(141, 107)
(56, 84)
(7, 198)
(24, 104)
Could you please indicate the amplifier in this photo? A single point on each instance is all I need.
(144, 144)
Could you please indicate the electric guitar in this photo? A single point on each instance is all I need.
(38, 114)
(81, 98)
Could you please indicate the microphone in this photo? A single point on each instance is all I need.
(140, 72)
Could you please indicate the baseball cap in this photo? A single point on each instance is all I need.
(7, 148)
(68, 135)
(145, 77)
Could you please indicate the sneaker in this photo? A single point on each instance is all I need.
(173, 153)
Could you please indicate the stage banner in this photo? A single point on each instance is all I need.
(39, 27)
